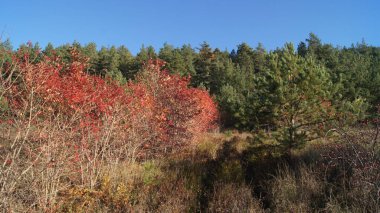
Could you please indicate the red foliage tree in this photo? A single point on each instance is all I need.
(66, 126)
(176, 112)
(158, 111)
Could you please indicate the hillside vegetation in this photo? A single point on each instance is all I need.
(289, 130)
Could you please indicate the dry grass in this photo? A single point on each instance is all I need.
(233, 198)
(216, 174)
(296, 192)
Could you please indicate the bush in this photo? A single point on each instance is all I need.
(352, 173)
(64, 125)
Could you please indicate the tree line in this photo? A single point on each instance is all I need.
(255, 88)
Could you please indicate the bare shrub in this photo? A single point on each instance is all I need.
(352, 173)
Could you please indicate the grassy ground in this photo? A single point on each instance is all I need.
(237, 172)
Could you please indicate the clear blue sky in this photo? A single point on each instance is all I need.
(221, 23)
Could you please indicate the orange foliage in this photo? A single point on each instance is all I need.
(158, 110)
(176, 112)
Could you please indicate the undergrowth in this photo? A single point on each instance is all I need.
(237, 174)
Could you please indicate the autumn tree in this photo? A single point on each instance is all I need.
(174, 112)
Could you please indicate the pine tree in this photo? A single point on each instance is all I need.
(203, 65)
(90, 51)
(188, 54)
(125, 62)
(301, 101)
(49, 49)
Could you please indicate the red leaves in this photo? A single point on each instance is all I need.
(159, 110)
(73, 90)
(175, 112)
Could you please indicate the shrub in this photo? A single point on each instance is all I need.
(352, 173)
(64, 125)
(174, 113)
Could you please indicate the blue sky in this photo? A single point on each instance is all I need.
(223, 24)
